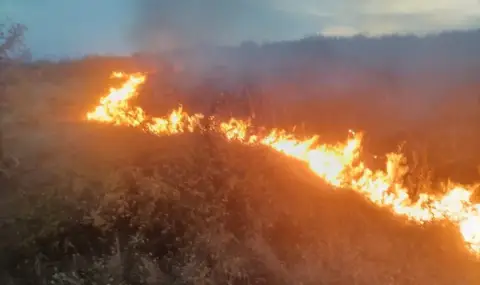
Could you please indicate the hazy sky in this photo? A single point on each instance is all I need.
(77, 27)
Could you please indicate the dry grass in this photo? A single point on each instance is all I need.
(92, 204)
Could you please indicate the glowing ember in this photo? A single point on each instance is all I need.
(339, 165)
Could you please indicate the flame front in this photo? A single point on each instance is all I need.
(115, 109)
(339, 165)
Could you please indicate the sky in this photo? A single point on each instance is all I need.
(71, 28)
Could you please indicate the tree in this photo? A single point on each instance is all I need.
(12, 48)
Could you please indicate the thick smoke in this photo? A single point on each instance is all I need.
(405, 68)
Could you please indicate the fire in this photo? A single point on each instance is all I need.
(115, 107)
(339, 165)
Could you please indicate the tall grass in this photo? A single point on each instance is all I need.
(90, 204)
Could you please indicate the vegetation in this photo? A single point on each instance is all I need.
(11, 44)
(96, 204)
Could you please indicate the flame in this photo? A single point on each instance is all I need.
(115, 109)
(339, 165)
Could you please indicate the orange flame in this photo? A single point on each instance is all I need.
(339, 165)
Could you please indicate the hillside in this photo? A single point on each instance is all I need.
(187, 212)
(86, 203)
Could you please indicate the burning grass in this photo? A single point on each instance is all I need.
(96, 203)
(340, 165)
(204, 211)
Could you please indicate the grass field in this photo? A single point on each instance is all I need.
(86, 203)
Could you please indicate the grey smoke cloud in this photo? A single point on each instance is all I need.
(167, 23)
(70, 28)
(170, 23)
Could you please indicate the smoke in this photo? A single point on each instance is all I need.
(405, 68)
(167, 24)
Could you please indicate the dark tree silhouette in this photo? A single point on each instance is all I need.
(12, 48)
